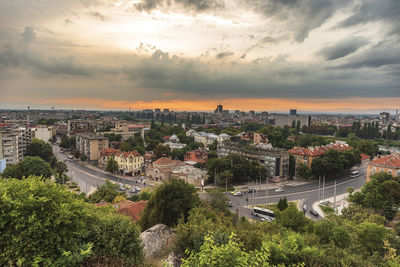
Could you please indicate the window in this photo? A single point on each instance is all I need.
(390, 171)
(398, 173)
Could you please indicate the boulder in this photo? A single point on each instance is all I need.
(173, 260)
(156, 239)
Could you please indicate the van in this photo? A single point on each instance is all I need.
(354, 174)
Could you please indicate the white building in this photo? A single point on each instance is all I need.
(9, 147)
(174, 143)
(44, 133)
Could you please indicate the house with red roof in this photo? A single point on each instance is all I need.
(307, 155)
(131, 209)
(388, 164)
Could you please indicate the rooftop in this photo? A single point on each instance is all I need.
(387, 161)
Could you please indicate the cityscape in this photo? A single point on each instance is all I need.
(200, 133)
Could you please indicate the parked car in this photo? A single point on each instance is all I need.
(251, 190)
(314, 212)
(238, 194)
(137, 189)
(229, 203)
(279, 190)
(132, 190)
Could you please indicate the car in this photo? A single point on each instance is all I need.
(70, 157)
(238, 194)
(251, 190)
(314, 212)
(229, 203)
(279, 190)
(137, 189)
(132, 190)
(127, 186)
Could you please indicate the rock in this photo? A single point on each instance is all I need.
(173, 260)
(156, 239)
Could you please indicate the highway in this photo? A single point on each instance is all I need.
(89, 179)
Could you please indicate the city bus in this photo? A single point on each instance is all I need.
(354, 174)
(263, 214)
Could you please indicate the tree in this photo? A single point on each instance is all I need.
(292, 166)
(160, 151)
(298, 126)
(292, 219)
(112, 165)
(225, 178)
(218, 201)
(42, 223)
(171, 200)
(28, 166)
(45, 225)
(39, 148)
(304, 171)
(107, 192)
(60, 168)
(282, 204)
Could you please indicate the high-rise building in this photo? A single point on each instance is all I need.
(219, 109)
(237, 112)
(24, 138)
(293, 112)
(384, 116)
(252, 112)
(8, 147)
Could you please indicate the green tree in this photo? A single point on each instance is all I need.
(112, 165)
(39, 148)
(217, 201)
(171, 200)
(292, 219)
(41, 224)
(60, 168)
(282, 204)
(28, 166)
(298, 126)
(304, 171)
(107, 192)
(292, 166)
(371, 237)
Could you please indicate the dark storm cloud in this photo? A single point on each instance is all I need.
(28, 35)
(343, 48)
(197, 5)
(301, 16)
(387, 11)
(11, 57)
(224, 54)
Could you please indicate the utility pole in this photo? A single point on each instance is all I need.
(253, 198)
(323, 188)
(334, 198)
(319, 188)
(266, 192)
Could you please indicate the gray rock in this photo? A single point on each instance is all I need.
(173, 260)
(156, 239)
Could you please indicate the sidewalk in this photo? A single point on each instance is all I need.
(341, 203)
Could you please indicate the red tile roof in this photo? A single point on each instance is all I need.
(317, 151)
(108, 152)
(392, 161)
(364, 156)
(127, 154)
(131, 209)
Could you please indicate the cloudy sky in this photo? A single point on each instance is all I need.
(314, 55)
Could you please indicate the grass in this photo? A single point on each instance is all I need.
(326, 209)
(274, 206)
(219, 189)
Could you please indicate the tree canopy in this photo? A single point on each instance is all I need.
(28, 166)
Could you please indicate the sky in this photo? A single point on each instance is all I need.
(313, 55)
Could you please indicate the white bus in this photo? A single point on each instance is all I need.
(263, 214)
(354, 174)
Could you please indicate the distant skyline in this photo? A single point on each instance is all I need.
(336, 56)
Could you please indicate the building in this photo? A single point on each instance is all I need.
(105, 155)
(161, 169)
(387, 164)
(189, 174)
(130, 163)
(44, 133)
(384, 116)
(197, 155)
(287, 120)
(275, 160)
(293, 112)
(219, 109)
(90, 144)
(131, 209)
(9, 146)
(24, 138)
(174, 142)
(307, 155)
(3, 165)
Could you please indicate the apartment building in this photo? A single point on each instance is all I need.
(90, 144)
(24, 138)
(197, 155)
(44, 133)
(275, 160)
(8, 146)
(389, 164)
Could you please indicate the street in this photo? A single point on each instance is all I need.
(309, 193)
(89, 179)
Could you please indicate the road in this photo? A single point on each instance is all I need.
(89, 179)
(309, 193)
